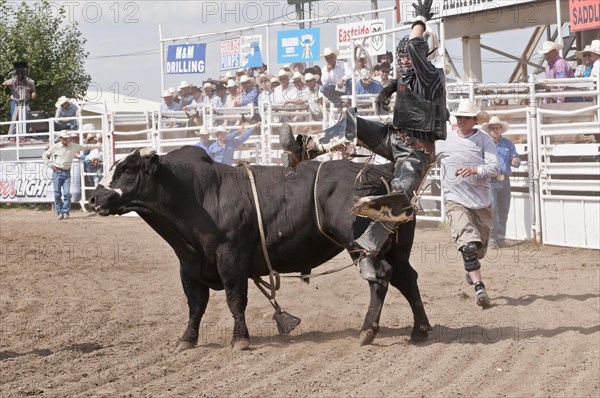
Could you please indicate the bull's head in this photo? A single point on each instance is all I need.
(127, 186)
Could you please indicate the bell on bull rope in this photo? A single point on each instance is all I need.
(286, 322)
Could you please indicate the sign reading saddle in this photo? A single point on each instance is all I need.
(206, 212)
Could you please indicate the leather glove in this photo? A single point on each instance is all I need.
(423, 10)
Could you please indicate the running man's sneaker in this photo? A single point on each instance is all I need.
(481, 297)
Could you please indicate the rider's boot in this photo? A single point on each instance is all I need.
(395, 206)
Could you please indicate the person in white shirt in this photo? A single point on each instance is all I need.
(284, 92)
(335, 73)
(210, 97)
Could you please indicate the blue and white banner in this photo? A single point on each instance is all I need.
(244, 52)
(186, 58)
(300, 45)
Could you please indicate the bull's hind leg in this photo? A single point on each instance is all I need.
(236, 291)
(197, 296)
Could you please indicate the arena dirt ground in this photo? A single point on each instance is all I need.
(93, 307)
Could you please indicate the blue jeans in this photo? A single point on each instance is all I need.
(61, 181)
(13, 105)
(500, 206)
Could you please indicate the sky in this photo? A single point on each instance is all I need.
(123, 37)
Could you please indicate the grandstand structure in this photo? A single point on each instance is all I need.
(556, 190)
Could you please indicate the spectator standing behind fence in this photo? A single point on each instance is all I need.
(315, 97)
(66, 109)
(205, 142)
(232, 96)
(384, 75)
(334, 75)
(95, 159)
(500, 186)
(585, 69)
(366, 85)
(556, 67)
(185, 92)
(468, 161)
(59, 157)
(284, 92)
(301, 91)
(210, 97)
(266, 94)
(222, 150)
(197, 99)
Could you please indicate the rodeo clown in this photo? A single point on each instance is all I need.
(420, 117)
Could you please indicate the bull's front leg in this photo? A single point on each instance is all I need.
(197, 297)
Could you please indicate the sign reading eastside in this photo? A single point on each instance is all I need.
(375, 45)
(186, 58)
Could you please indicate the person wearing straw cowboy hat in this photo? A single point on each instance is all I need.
(507, 157)
(468, 162)
(65, 109)
(556, 67)
(59, 157)
(334, 75)
(185, 92)
(205, 141)
(249, 92)
(590, 56)
(284, 92)
(169, 104)
(210, 96)
(420, 118)
(223, 148)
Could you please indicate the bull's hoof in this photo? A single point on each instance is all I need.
(367, 337)
(240, 345)
(418, 336)
(184, 345)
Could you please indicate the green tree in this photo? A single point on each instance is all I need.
(40, 34)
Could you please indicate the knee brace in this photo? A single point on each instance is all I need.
(469, 254)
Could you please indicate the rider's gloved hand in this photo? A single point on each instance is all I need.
(422, 11)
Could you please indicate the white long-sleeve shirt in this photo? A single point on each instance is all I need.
(339, 72)
(61, 156)
(455, 152)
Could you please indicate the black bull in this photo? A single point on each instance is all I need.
(206, 212)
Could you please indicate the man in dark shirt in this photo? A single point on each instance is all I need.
(420, 117)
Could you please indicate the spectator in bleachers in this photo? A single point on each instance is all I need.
(284, 92)
(169, 104)
(595, 50)
(556, 67)
(64, 109)
(93, 160)
(389, 58)
(301, 92)
(196, 101)
(249, 93)
(298, 67)
(260, 70)
(585, 69)
(231, 97)
(185, 92)
(239, 73)
(376, 71)
(318, 73)
(314, 96)
(507, 158)
(274, 84)
(210, 97)
(384, 75)
(174, 94)
(204, 134)
(334, 77)
(366, 85)
(264, 85)
(222, 149)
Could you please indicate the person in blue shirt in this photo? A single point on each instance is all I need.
(205, 142)
(249, 92)
(222, 149)
(507, 158)
(366, 85)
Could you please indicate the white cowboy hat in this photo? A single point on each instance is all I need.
(283, 72)
(548, 46)
(468, 109)
(209, 85)
(203, 130)
(245, 79)
(265, 76)
(230, 83)
(495, 120)
(184, 84)
(309, 76)
(60, 101)
(328, 51)
(274, 80)
(298, 75)
(63, 134)
(215, 131)
(229, 74)
(594, 47)
(166, 93)
(88, 127)
(171, 90)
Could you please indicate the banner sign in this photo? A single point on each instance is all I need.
(445, 8)
(300, 45)
(374, 45)
(31, 182)
(186, 58)
(584, 14)
(245, 52)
